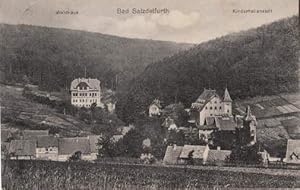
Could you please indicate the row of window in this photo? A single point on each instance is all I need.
(85, 94)
(212, 107)
(47, 149)
(84, 100)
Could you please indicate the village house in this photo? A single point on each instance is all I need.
(215, 157)
(155, 108)
(192, 154)
(210, 104)
(172, 155)
(22, 149)
(85, 92)
(47, 148)
(69, 146)
(293, 151)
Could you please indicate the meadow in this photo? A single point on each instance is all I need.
(36, 175)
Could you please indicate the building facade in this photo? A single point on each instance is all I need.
(155, 108)
(210, 104)
(85, 92)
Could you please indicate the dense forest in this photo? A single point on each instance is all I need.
(261, 61)
(51, 57)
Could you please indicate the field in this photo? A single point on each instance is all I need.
(278, 119)
(19, 112)
(57, 175)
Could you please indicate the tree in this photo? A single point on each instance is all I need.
(132, 142)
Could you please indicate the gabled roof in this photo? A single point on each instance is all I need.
(68, 146)
(225, 123)
(156, 102)
(46, 141)
(22, 147)
(207, 94)
(293, 151)
(32, 134)
(227, 97)
(92, 83)
(217, 155)
(172, 154)
(196, 150)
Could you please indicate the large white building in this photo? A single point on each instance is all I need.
(210, 104)
(85, 92)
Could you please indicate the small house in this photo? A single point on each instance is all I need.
(216, 157)
(192, 154)
(293, 152)
(22, 149)
(67, 147)
(47, 148)
(155, 108)
(172, 155)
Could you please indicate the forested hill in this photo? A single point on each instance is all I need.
(52, 57)
(259, 61)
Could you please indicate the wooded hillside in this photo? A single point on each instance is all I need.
(261, 61)
(52, 58)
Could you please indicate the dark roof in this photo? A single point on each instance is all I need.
(5, 135)
(196, 149)
(207, 94)
(92, 83)
(71, 145)
(22, 147)
(217, 155)
(293, 151)
(47, 141)
(32, 134)
(172, 154)
(225, 123)
(157, 103)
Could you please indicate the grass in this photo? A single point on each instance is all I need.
(61, 175)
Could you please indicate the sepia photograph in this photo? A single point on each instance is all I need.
(149, 95)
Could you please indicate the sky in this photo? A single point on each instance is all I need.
(192, 21)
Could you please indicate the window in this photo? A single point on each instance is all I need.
(215, 102)
(206, 107)
(210, 107)
(46, 149)
(215, 107)
(227, 111)
(220, 107)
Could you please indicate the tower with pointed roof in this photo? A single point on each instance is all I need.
(250, 122)
(227, 103)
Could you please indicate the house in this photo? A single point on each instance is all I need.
(293, 152)
(155, 108)
(172, 155)
(69, 146)
(216, 157)
(47, 148)
(93, 140)
(85, 92)
(22, 149)
(169, 123)
(194, 152)
(210, 104)
(33, 134)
